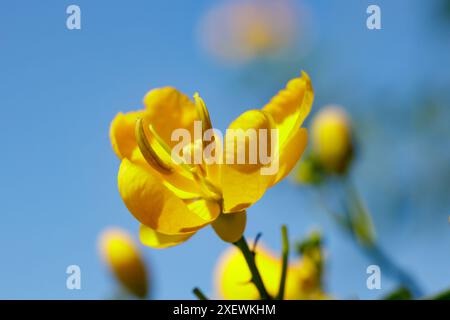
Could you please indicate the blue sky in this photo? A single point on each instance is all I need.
(60, 89)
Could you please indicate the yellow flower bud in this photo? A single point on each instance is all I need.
(332, 139)
(121, 254)
(232, 277)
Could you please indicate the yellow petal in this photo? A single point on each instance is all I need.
(122, 255)
(230, 227)
(213, 154)
(291, 105)
(121, 133)
(155, 239)
(180, 183)
(167, 110)
(291, 153)
(205, 209)
(152, 203)
(242, 183)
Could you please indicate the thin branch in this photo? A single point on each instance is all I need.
(199, 294)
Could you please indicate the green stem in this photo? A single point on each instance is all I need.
(362, 229)
(359, 216)
(285, 259)
(250, 259)
(199, 294)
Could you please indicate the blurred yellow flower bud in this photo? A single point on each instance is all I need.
(232, 277)
(332, 139)
(121, 254)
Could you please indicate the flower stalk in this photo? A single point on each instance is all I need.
(250, 259)
(361, 227)
(199, 294)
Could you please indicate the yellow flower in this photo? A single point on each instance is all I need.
(232, 276)
(332, 139)
(239, 31)
(123, 257)
(172, 200)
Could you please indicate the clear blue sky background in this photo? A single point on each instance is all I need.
(60, 89)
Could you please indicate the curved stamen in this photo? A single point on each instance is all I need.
(157, 153)
(202, 112)
(146, 142)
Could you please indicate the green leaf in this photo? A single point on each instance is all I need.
(399, 294)
(445, 295)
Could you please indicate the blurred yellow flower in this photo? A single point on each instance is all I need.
(232, 276)
(173, 201)
(240, 30)
(332, 139)
(121, 254)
